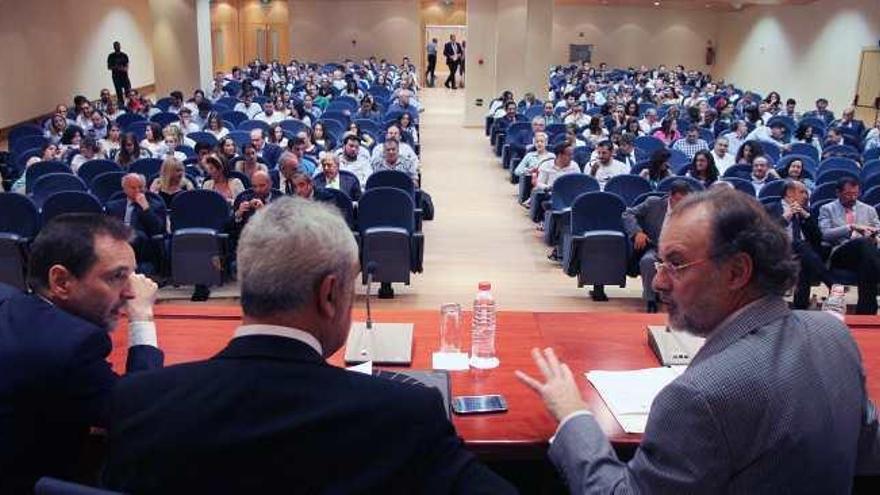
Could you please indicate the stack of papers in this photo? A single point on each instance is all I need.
(629, 394)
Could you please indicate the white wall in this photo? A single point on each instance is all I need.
(632, 36)
(322, 30)
(801, 51)
(55, 49)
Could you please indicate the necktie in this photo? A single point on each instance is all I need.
(850, 216)
(796, 233)
(129, 213)
(288, 187)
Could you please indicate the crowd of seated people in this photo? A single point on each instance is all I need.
(299, 124)
(662, 124)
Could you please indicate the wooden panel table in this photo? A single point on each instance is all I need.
(586, 341)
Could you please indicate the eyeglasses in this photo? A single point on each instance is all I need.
(674, 270)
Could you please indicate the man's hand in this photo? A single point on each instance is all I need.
(141, 200)
(257, 203)
(244, 207)
(560, 392)
(640, 240)
(140, 307)
(594, 167)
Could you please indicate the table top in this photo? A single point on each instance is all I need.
(586, 341)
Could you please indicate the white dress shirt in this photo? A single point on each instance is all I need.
(279, 331)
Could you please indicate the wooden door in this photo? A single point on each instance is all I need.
(868, 87)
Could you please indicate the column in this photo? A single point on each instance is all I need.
(480, 74)
(176, 47)
(539, 46)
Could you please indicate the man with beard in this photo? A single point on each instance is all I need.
(55, 380)
(774, 401)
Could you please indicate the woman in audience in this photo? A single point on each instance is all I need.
(631, 110)
(276, 135)
(218, 179)
(172, 180)
(529, 164)
(70, 142)
(595, 132)
(55, 131)
(111, 144)
(248, 163)
(658, 167)
(152, 141)
(872, 138)
(703, 168)
(88, 150)
(406, 125)
(692, 100)
(668, 131)
(130, 150)
(571, 138)
(215, 126)
(48, 152)
(633, 127)
(806, 134)
(795, 171)
(747, 152)
(172, 139)
(773, 102)
(351, 89)
(227, 150)
(319, 136)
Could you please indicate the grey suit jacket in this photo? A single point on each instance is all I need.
(647, 217)
(774, 402)
(832, 221)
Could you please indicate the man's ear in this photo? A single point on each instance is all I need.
(328, 295)
(60, 282)
(740, 269)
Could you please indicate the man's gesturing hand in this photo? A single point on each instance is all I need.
(560, 392)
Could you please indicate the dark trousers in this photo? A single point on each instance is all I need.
(453, 67)
(432, 65)
(812, 268)
(145, 251)
(122, 85)
(862, 257)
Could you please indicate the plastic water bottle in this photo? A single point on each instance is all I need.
(836, 302)
(483, 333)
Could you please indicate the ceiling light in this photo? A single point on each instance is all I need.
(656, 4)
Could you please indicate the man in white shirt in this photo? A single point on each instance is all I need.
(406, 151)
(248, 107)
(650, 122)
(355, 159)
(186, 123)
(762, 173)
(604, 167)
(723, 159)
(269, 115)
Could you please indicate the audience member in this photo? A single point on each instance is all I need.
(171, 181)
(604, 167)
(703, 169)
(355, 159)
(144, 217)
(288, 167)
(658, 167)
(330, 178)
(722, 156)
(762, 173)
(251, 200)
(219, 179)
(692, 143)
(392, 159)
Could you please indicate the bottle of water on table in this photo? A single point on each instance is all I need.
(483, 333)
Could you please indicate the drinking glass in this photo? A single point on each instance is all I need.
(450, 327)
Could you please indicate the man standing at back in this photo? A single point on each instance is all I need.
(117, 64)
(55, 381)
(430, 77)
(774, 402)
(452, 52)
(268, 411)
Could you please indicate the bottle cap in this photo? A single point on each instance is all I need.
(485, 286)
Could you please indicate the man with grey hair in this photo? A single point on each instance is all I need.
(288, 166)
(146, 218)
(775, 400)
(268, 411)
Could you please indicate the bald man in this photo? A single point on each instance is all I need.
(146, 218)
(251, 200)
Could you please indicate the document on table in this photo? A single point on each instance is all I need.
(629, 394)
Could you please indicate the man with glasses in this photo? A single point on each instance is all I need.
(643, 224)
(850, 227)
(775, 400)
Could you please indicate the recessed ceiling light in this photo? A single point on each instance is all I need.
(656, 4)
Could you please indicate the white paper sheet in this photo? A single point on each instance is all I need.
(365, 368)
(629, 394)
(452, 361)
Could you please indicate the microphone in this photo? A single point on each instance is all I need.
(371, 269)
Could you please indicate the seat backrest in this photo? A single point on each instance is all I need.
(249, 125)
(741, 185)
(386, 207)
(240, 138)
(22, 131)
(678, 160)
(200, 208)
(835, 174)
(234, 116)
(740, 171)
(333, 126)
(164, 118)
(69, 202)
(870, 169)
(391, 178)
(92, 168)
(18, 215)
(27, 142)
(827, 191)
(568, 187)
(871, 196)
(52, 486)
(127, 119)
(148, 167)
(628, 187)
(343, 203)
(203, 137)
(138, 128)
(643, 197)
(104, 185)
(839, 163)
(293, 125)
(871, 154)
(597, 210)
(39, 169)
(841, 150)
(555, 129)
(52, 183)
(772, 188)
(803, 149)
(666, 183)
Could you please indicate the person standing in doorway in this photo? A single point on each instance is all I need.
(117, 64)
(461, 61)
(432, 62)
(452, 52)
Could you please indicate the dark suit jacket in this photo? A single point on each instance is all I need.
(55, 383)
(149, 222)
(827, 116)
(247, 195)
(639, 157)
(448, 51)
(268, 412)
(347, 184)
(856, 128)
(647, 217)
